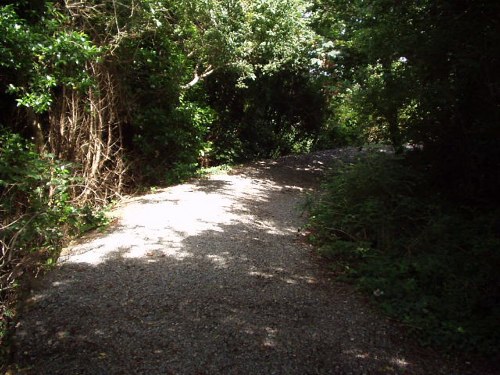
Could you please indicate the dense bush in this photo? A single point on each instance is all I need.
(273, 115)
(36, 213)
(429, 263)
(174, 142)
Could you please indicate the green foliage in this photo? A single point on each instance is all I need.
(422, 73)
(173, 141)
(36, 204)
(274, 115)
(418, 72)
(43, 56)
(37, 214)
(251, 37)
(373, 110)
(425, 261)
(166, 52)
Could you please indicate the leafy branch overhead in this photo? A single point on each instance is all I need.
(44, 55)
(248, 36)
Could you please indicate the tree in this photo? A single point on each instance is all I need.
(38, 57)
(425, 74)
(156, 54)
(421, 73)
(244, 36)
(274, 115)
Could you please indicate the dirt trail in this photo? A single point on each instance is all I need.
(209, 277)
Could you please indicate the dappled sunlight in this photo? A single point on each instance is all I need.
(218, 260)
(261, 274)
(283, 276)
(393, 364)
(211, 273)
(156, 225)
(313, 166)
(38, 297)
(270, 338)
(400, 362)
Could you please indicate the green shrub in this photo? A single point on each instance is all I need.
(37, 214)
(172, 142)
(36, 194)
(431, 264)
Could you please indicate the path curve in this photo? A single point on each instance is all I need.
(209, 277)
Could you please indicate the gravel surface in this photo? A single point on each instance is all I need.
(210, 277)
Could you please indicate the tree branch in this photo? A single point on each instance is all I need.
(198, 77)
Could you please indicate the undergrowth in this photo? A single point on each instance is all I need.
(429, 263)
(38, 213)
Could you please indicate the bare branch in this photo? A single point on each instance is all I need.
(198, 77)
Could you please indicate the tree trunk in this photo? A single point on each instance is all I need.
(36, 130)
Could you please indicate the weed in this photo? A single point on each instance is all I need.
(431, 264)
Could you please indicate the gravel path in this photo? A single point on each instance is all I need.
(209, 277)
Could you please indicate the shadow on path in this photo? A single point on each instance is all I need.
(206, 278)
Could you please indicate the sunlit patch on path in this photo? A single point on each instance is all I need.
(157, 224)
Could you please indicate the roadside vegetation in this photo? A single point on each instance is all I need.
(427, 261)
(103, 98)
(417, 230)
